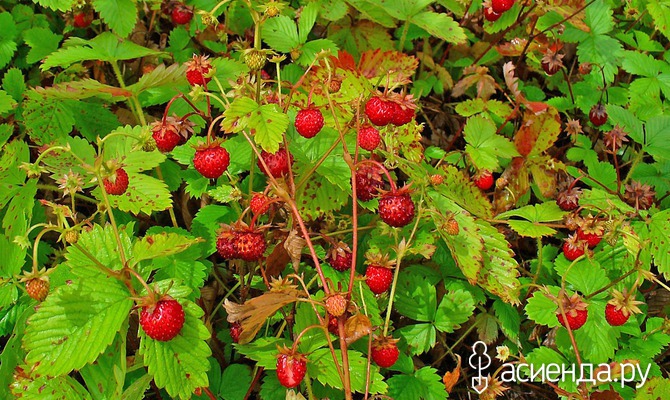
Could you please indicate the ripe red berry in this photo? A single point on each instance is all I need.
(259, 203)
(402, 116)
(166, 136)
(198, 69)
(340, 257)
(211, 161)
(235, 330)
(163, 320)
(225, 245)
(368, 138)
(484, 180)
(116, 184)
(82, 20)
(598, 115)
(380, 111)
(568, 200)
(573, 248)
(396, 208)
(385, 352)
(549, 68)
(291, 368)
(38, 288)
(308, 122)
(591, 239)
(368, 182)
(378, 278)
(332, 325)
(491, 15)
(615, 317)
(250, 245)
(575, 318)
(278, 163)
(181, 14)
(500, 6)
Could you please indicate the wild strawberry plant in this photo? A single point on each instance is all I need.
(332, 198)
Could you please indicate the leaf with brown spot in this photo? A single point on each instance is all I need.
(254, 312)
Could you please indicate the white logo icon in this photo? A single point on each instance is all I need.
(479, 361)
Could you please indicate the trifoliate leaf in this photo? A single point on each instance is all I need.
(100, 243)
(424, 384)
(76, 323)
(42, 42)
(484, 146)
(419, 337)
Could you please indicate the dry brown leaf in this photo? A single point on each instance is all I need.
(254, 312)
(356, 327)
(294, 245)
(451, 377)
(475, 76)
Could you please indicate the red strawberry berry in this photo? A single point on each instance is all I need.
(385, 352)
(259, 204)
(575, 318)
(291, 368)
(573, 248)
(591, 239)
(500, 6)
(163, 320)
(235, 330)
(568, 200)
(380, 111)
(225, 245)
(116, 184)
(198, 69)
(615, 317)
(211, 161)
(82, 20)
(598, 115)
(250, 245)
(181, 14)
(378, 278)
(278, 163)
(308, 122)
(340, 257)
(332, 325)
(402, 116)
(368, 138)
(171, 132)
(491, 15)
(396, 208)
(368, 182)
(484, 180)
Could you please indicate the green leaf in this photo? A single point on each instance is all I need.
(281, 34)
(100, 242)
(508, 319)
(160, 76)
(76, 323)
(46, 120)
(271, 389)
(425, 384)
(267, 124)
(14, 84)
(104, 47)
(500, 272)
(320, 366)
(641, 64)
(309, 50)
(657, 387)
(263, 351)
(235, 382)
(314, 338)
(137, 389)
(530, 229)
(420, 338)
(119, 15)
(179, 365)
(440, 25)
(455, 308)
(414, 298)
(107, 374)
(52, 388)
(657, 133)
(7, 36)
(596, 345)
(93, 119)
(535, 214)
(307, 19)
(659, 231)
(7, 103)
(585, 276)
(319, 196)
(60, 5)
(161, 245)
(541, 357)
(20, 211)
(238, 114)
(483, 146)
(145, 194)
(42, 42)
(660, 13)
(542, 309)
